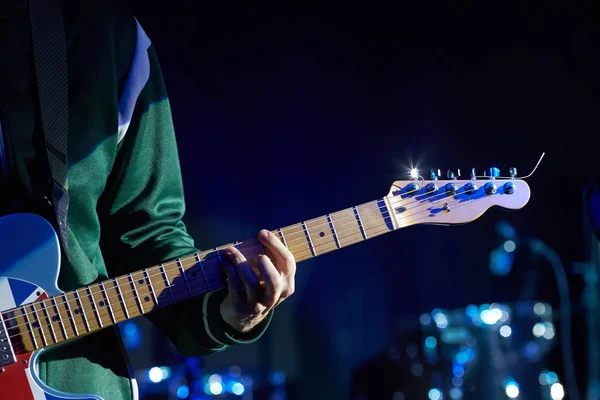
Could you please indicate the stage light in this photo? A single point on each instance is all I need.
(457, 381)
(511, 388)
(490, 317)
(237, 389)
(440, 319)
(456, 393)
(539, 329)
(155, 374)
(425, 319)
(416, 369)
(414, 173)
(557, 392)
(548, 330)
(216, 388)
(430, 342)
(539, 308)
(505, 331)
(510, 246)
(215, 378)
(435, 394)
(183, 392)
(458, 370)
(277, 378)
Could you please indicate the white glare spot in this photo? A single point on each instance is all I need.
(512, 390)
(505, 331)
(509, 246)
(440, 320)
(539, 329)
(557, 392)
(155, 374)
(435, 394)
(216, 388)
(490, 317)
(539, 308)
(549, 331)
(414, 173)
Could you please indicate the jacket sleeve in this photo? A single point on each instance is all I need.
(144, 206)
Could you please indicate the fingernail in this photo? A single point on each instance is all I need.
(264, 234)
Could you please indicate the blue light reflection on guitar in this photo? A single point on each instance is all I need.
(37, 315)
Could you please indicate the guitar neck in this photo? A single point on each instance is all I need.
(73, 314)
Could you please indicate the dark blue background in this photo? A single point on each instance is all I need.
(289, 111)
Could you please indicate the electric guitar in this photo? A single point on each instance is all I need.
(36, 314)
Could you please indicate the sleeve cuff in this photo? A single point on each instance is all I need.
(221, 332)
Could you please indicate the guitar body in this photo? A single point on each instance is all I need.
(29, 266)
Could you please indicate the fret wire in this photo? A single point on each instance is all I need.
(60, 321)
(333, 232)
(110, 310)
(283, 237)
(166, 277)
(389, 212)
(82, 310)
(121, 298)
(308, 239)
(136, 294)
(202, 269)
(95, 308)
(151, 287)
(71, 318)
(218, 255)
(360, 223)
(31, 332)
(39, 322)
(45, 310)
(180, 265)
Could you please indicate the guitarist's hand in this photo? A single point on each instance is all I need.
(249, 300)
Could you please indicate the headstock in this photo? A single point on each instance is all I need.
(454, 201)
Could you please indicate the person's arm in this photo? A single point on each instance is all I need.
(143, 206)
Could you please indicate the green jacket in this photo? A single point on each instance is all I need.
(125, 184)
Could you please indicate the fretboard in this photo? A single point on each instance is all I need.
(60, 318)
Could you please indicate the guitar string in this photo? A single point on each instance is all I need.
(301, 238)
(95, 310)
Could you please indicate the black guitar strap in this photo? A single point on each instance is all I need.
(50, 58)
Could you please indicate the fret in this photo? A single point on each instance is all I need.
(199, 260)
(136, 294)
(82, 311)
(151, 287)
(321, 235)
(58, 317)
(108, 304)
(168, 284)
(114, 300)
(282, 237)
(333, 232)
(347, 231)
(128, 294)
(176, 281)
(31, 330)
(187, 284)
(40, 324)
(373, 218)
(309, 240)
(389, 211)
(143, 291)
(296, 239)
(360, 224)
(94, 307)
(70, 313)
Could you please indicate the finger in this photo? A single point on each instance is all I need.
(273, 281)
(246, 274)
(234, 284)
(283, 258)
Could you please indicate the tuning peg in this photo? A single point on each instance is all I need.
(453, 173)
(434, 173)
(473, 173)
(513, 172)
(493, 172)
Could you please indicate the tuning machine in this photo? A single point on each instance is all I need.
(453, 173)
